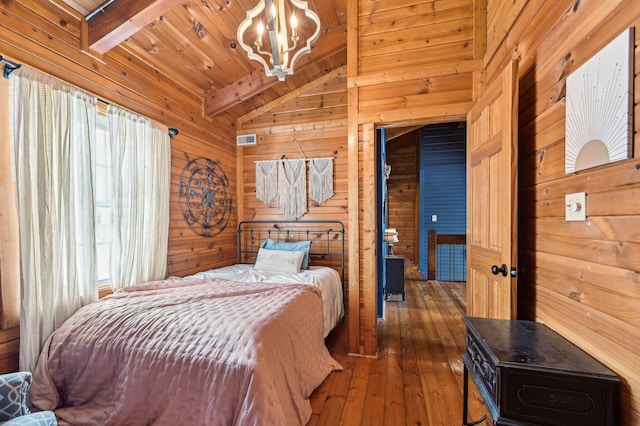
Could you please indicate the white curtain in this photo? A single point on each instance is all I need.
(141, 157)
(53, 136)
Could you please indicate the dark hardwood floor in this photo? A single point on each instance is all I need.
(417, 377)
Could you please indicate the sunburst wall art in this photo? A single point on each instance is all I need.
(598, 108)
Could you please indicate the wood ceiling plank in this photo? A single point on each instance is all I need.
(219, 24)
(123, 19)
(337, 73)
(393, 133)
(341, 11)
(327, 45)
(326, 13)
(82, 7)
(187, 46)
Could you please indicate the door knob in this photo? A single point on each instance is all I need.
(495, 270)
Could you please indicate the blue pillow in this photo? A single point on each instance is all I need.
(304, 246)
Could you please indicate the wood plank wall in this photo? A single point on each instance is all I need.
(315, 116)
(46, 36)
(582, 278)
(413, 63)
(404, 192)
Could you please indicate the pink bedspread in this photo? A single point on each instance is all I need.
(187, 352)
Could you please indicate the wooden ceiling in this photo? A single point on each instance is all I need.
(194, 43)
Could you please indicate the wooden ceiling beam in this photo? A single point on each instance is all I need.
(328, 44)
(122, 19)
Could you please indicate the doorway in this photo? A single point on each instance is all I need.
(422, 186)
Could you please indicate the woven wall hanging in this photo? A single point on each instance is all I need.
(285, 181)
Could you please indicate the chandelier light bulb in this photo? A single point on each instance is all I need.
(294, 26)
(260, 31)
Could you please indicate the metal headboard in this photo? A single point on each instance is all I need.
(326, 236)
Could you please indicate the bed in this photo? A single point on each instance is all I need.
(233, 346)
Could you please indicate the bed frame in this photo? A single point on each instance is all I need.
(326, 236)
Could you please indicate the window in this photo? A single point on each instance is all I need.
(103, 221)
(67, 132)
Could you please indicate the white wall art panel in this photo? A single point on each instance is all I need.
(598, 107)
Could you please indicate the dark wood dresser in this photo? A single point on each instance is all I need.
(528, 374)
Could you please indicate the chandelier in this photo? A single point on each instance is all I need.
(287, 38)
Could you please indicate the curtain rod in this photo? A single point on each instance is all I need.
(9, 66)
(172, 130)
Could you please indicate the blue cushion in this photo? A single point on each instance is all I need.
(13, 392)
(41, 418)
(13, 402)
(304, 246)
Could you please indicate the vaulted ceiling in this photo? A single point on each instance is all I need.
(194, 43)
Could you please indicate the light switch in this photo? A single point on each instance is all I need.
(576, 207)
(434, 218)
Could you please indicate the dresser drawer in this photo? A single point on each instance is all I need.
(482, 367)
(560, 399)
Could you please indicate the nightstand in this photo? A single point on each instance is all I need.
(529, 375)
(394, 278)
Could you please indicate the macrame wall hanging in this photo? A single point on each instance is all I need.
(266, 181)
(285, 181)
(320, 179)
(292, 188)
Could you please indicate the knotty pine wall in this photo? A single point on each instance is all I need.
(410, 62)
(403, 188)
(582, 278)
(315, 115)
(46, 36)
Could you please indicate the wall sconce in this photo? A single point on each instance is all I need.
(285, 44)
(391, 237)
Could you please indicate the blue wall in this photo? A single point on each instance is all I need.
(443, 193)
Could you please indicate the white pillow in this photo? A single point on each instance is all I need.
(279, 261)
